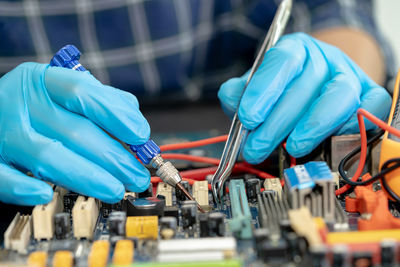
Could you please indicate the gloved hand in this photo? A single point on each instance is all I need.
(51, 120)
(305, 90)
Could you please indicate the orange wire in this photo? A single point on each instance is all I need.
(192, 144)
(363, 154)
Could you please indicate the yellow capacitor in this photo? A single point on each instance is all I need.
(142, 227)
(37, 259)
(123, 252)
(98, 256)
(63, 258)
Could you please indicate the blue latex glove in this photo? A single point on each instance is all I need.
(51, 120)
(305, 90)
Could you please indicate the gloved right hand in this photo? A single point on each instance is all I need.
(51, 122)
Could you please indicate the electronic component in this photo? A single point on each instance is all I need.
(116, 223)
(180, 196)
(63, 258)
(189, 213)
(144, 206)
(84, 215)
(165, 190)
(272, 212)
(43, 218)
(168, 227)
(196, 249)
(62, 225)
(98, 256)
(273, 184)
(240, 224)
(142, 227)
(312, 185)
(212, 224)
(388, 253)
(37, 259)
(252, 189)
(171, 212)
(18, 233)
(200, 193)
(123, 252)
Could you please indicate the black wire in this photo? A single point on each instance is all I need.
(349, 156)
(383, 180)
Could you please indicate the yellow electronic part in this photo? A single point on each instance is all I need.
(63, 258)
(37, 259)
(98, 256)
(361, 237)
(142, 227)
(390, 147)
(123, 253)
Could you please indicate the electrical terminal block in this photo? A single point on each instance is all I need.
(98, 256)
(200, 193)
(196, 249)
(312, 185)
(240, 224)
(142, 227)
(18, 233)
(123, 253)
(43, 218)
(37, 259)
(165, 190)
(63, 258)
(273, 184)
(84, 217)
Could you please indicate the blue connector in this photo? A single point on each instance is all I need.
(68, 57)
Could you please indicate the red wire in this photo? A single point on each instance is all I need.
(213, 161)
(363, 155)
(192, 144)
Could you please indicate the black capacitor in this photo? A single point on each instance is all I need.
(168, 223)
(146, 193)
(212, 225)
(171, 211)
(69, 201)
(62, 225)
(144, 206)
(339, 256)
(179, 195)
(388, 253)
(189, 213)
(253, 188)
(116, 223)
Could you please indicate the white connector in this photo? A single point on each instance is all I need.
(18, 233)
(84, 217)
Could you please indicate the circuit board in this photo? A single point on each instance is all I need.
(293, 220)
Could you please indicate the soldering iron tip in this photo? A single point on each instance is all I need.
(180, 187)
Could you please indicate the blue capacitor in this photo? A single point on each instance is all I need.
(68, 57)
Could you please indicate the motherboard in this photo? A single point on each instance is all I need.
(291, 218)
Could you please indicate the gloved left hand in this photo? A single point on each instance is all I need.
(305, 90)
(51, 122)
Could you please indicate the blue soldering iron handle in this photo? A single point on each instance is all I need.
(68, 57)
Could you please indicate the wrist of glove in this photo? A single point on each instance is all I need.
(305, 90)
(52, 122)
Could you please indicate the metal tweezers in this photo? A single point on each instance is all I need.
(237, 133)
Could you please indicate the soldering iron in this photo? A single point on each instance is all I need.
(149, 152)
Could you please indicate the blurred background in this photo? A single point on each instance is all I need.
(388, 18)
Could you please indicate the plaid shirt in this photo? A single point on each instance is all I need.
(163, 49)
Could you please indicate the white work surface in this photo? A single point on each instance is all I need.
(387, 13)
